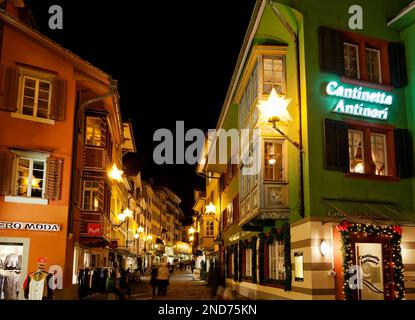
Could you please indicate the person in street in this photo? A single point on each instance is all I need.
(111, 286)
(193, 265)
(153, 280)
(163, 278)
(125, 289)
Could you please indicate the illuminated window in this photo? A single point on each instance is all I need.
(90, 196)
(277, 261)
(93, 131)
(373, 65)
(248, 259)
(379, 154)
(351, 61)
(210, 225)
(30, 177)
(273, 161)
(273, 75)
(356, 151)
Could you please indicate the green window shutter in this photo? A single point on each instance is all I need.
(331, 51)
(58, 103)
(397, 62)
(404, 153)
(336, 140)
(9, 78)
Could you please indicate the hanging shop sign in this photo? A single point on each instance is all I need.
(363, 101)
(30, 226)
(94, 229)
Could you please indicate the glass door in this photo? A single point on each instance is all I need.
(369, 258)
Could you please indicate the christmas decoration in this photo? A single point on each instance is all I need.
(390, 236)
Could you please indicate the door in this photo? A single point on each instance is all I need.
(369, 257)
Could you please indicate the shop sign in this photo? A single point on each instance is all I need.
(94, 229)
(30, 226)
(363, 98)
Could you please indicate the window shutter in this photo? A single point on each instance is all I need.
(6, 168)
(336, 145)
(331, 51)
(404, 153)
(103, 131)
(101, 194)
(397, 62)
(9, 78)
(53, 178)
(58, 103)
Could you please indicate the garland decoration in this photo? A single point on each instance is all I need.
(393, 235)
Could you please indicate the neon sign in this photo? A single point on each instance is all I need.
(363, 96)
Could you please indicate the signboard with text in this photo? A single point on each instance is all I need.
(29, 226)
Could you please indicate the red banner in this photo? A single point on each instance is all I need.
(94, 229)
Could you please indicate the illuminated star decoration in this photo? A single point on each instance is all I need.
(274, 107)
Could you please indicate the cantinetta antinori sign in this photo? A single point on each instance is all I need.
(363, 98)
(30, 226)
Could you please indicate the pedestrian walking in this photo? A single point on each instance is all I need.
(163, 278)
(153, 280)
(111, 287)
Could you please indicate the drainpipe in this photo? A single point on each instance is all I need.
(79, 113)
(294, 35)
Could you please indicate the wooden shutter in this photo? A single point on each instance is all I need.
(404, 153)
(101, 195)
(53, 178)
(103, 131)
(6, 168)
(397, 62)
(336, 145)
(58, 103)
(331, 51)
(9, 78)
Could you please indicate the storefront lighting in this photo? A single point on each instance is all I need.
(211, 209)
(324, 248)
(115, 173)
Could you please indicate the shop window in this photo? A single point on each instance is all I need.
(277, 261)
(30, 177)
(210, 228)
(273, 75)
(273, 161)
(248, 261)
(90, 200)
(11, 255)
(93, 134)
(351, 61)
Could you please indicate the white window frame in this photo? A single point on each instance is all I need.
(379, 64)
(385, 149)
(355, 46)
(274, 247)
(248, 262)
(284, 159)
(89, 189)
(36, 76)
(362, 133)
(284, 70)
(208, 228)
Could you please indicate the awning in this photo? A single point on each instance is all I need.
(365, 211)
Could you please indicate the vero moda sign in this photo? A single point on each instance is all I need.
(29, 226)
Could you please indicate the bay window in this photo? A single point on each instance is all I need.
(273, 75)
(210, 225)
(90, 200)
(93, 131)
(273, 161)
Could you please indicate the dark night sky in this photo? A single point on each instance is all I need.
(173, 60)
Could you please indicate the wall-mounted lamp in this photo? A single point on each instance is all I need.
(324, 248)
(191, 230)
(115, 173)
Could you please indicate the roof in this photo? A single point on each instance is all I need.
(404, 19)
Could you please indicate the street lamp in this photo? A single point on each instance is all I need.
(211, 208)
(274, 110)
(191, 230)
(115, 174)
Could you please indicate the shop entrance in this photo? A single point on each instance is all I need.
(369, 259)
(375, 279)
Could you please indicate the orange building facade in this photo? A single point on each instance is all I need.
(40, 89)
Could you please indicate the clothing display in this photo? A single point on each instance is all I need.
(13, 261)
(36, 286)
(92, 281)
(1, 264)
(10, 270)
(9, 284)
